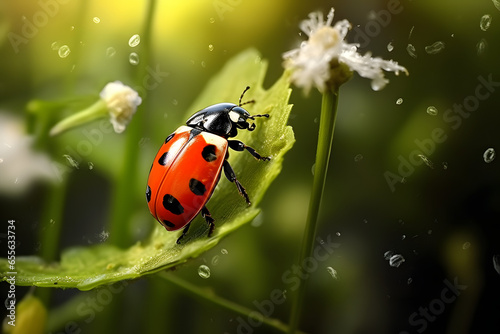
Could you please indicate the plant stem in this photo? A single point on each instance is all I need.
(209, 295)
(325, 139)
(96, 110)
(124, 199)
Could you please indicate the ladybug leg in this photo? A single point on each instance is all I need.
(208, 218)
(240, 146)
(186, 229)
(229, 172)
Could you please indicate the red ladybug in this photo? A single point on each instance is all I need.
(188, 165)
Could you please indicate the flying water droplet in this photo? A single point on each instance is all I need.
(212, 20)
(52, 222)
(64, 51)
(55, 45)
(96, 20)
(210, 47)
(485, 22)
(134, 40)
(72, 162)
(110, 52)
(445, 165)
(481, 46)
(496, 3)
(388, 254)
(91, 165)
(358, 158)
(337, 234)
(431, 110)
(103, 236)
(390, 47)
(466, 245)
(496, 261)
(224, 251)
(409, 281)
(332, 272)
(411, 50)
(204, 271)
(489, 155)
(396, 260)
(203, 64)
(399, 101)
(133, 58)
(434, 48)
(215, 260)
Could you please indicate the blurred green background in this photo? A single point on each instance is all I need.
(443, 219)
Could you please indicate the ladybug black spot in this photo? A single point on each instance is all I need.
(148, 193)
(169, 137)
(197, 187)
(169, 224)
(171, 204)
(163, 159)
(208, 153)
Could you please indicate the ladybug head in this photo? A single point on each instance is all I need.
(224, 119)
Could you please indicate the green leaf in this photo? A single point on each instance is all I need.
(88, 267)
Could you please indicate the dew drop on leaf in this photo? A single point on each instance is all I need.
(134, 40)
(133, 58)
(485, 22)
(411, 50)
(489, 155)
(396, 260)
(64, 51)
(204, 271)
(496, 263)
(434, 48)
(332, 272)
(431, 110)
(399, 101)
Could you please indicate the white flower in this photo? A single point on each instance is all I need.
(20, 165)
(117, 100)
(319, 60)
(122, 102)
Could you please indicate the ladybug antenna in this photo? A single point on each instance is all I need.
(241, 97)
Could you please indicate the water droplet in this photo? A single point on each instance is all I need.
(481, 46)
(396, 260)
(215, 260)
(429, 232)
(224, 251)
(55, 45)
(390, 47)
(312, 169)
(91, 165)
(332, 272)
(133, 58)
(72, 162)
(52, 222)
(399, 101)
(358, 157)
(388, 254)
(485, 22)
(403, 237)
(210, 47)
(96, 20)
(365, 221)
(496, 3)
(409, 281)
(466, 245)
(134, 40)
(204, 271)
(431, 110)
(411, 32)
(496, 260)
(489, 155)
(411, 50)
(203, 64)
(71, 28)
(445, 165)
(434, 48)
(337, 234)
(103, 236)
(110, 52)
(64, 51)
(426, 160)
(212, 20)
(175, 102)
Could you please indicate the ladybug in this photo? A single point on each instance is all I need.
(189, 164)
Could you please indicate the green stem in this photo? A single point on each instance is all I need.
(96, 110)
(209, 295)
(124, 200)
(325, 139)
